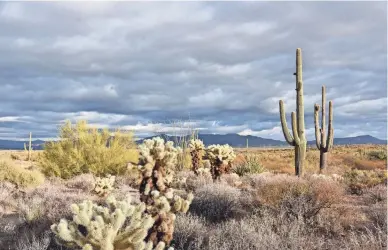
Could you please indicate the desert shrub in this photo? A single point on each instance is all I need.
(266, 231)
(82, 149)
(84, 182)
(39, 208)
(361, 240)
(189, 233)
(50, 199)
(15, 157)
(376, 194)
(219, 202)
(190, 181)
(19, 176)
(258, 231)
(232, 179)
(6, 191)
(35, 242)
(359, 180)
(184, 159)
(378, 155)
(377, 214)
(377, 211)
(298, 198)
(257, 180)
(32, 210)
(249, 165)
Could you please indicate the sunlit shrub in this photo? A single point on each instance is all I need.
(82, 149)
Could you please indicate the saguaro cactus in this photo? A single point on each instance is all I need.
(298, 140)
(323, 144)
(29, 148)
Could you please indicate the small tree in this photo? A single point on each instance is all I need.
(82, 149)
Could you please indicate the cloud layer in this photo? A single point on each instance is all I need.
(224, 65)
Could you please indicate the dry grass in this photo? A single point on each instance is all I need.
(20, 176)
(359, 180)
(340, 159)
(219, 202)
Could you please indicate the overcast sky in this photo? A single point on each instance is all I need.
(224, 65)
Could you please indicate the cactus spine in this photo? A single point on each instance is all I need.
(323, 144)
(298, 140)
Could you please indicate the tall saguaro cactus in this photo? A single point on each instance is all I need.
(29, 147)
(298, 139)
(323, 144)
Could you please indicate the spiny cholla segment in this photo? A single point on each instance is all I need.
(103, 186)
(157, 159)
(116, 226)
(156, 162)
(221, 157)
(197, 150)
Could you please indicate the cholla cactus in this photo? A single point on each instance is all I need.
(103, 186)
(156, 162)
(197, 150)
(203, 171)
(157, 159)
(116, 226)
(221, 157)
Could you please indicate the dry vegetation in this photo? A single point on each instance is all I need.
(261, 205)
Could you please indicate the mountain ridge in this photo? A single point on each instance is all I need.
(235, 140)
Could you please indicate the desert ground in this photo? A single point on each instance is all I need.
(259, 205)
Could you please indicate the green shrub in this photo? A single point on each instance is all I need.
(359, 180)
(81, 149)
(378, 155)
(19, 176)
(250, 165)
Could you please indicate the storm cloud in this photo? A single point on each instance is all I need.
(222, 65)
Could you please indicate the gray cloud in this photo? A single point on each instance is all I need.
(223, 64)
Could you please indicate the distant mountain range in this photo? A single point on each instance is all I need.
(234, 140)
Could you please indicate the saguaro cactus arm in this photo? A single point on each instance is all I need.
(330, 136)
(317, 128)
(295, 129)
(286, 132)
